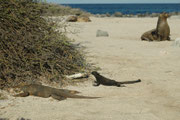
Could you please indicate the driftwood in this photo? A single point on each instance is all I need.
(77, 76)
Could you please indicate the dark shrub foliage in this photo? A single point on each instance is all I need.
(30, 47)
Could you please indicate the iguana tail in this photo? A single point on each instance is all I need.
(79, 96)
(83, 97)
(18, 86)
(130, 82)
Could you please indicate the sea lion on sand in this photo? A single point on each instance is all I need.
(149, 35)
(108, 82)
(78, 19)
(161, 32)
(72, 19)
(83, 19)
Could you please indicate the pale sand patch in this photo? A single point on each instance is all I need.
(122, 56)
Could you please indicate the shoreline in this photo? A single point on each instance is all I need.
(143, 15)
(128, 9)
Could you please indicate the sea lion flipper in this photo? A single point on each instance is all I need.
(149, 35)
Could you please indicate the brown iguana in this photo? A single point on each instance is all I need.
(108, 82)
(45, 92)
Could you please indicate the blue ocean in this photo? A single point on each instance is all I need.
(127, 8)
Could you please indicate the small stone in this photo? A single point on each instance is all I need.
(101, 33)
(177, 42)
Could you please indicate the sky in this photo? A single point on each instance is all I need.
(113, 1)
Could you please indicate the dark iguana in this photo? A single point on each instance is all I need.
(108, 82)
(45, 92)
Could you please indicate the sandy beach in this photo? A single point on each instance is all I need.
(121, 56)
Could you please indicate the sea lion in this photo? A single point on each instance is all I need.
(149, 35)
(72, 19)
(108, 82)
(161, 32)
(45, 92)
(162, 29)
(78, 19)
(83, 19)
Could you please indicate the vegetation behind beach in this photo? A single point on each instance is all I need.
(31, 47)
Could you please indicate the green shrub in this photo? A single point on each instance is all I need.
(30, 47)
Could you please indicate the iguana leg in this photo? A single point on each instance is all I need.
(74, 92)
(96, 83)
(24, 94)
(58, 97)
(120, 85)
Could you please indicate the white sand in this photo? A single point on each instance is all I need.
(122, 56)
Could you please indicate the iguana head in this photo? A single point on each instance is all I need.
(95, 73)
(24, 88)
(21, 87)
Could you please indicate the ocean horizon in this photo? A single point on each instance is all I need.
(128, 8)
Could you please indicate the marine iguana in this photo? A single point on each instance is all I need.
(108, 82)
(45, 92)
